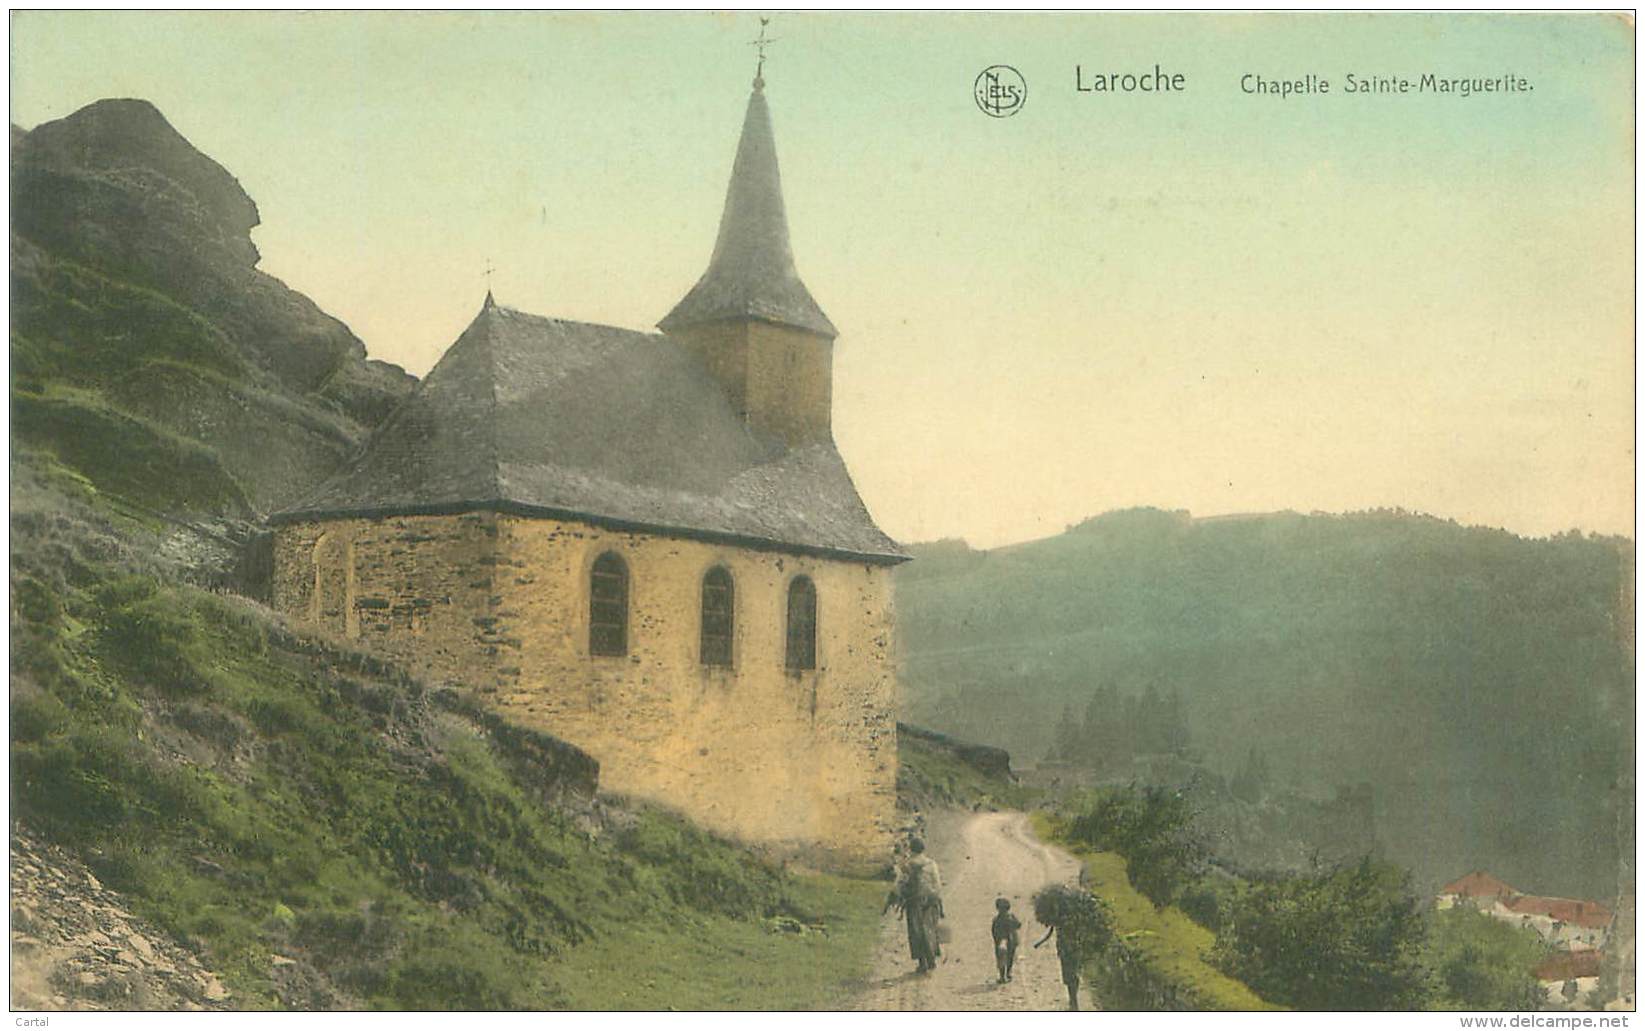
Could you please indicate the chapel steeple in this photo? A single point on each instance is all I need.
(751, 274)
(750, 319)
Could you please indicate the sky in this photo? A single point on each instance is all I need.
(1206, 299)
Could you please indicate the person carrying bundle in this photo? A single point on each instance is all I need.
(919, 895)
(1081, 925)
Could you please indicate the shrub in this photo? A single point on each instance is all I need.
(1206, 903)
(35, 715)
(440, 974)
(1482, 963)
(1154, 829)
(1348, 938)
(1155, 959)
(153, 635)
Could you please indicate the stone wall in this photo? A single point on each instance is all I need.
(420, 588)
(801, 761)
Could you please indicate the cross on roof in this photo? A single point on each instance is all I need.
(489, 269)
(760, 44)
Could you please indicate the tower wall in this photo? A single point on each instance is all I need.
(780, 379)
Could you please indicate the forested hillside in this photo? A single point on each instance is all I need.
(1481, 683)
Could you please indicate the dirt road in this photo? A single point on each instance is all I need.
(982, 856)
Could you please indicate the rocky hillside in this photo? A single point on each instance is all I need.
(75, 943)
(148, 351)
(213, 809)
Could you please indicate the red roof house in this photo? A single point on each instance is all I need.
(1580, 912)
(1568, 966)
(1478, 884)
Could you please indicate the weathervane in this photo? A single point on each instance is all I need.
(760, 44)
(489, 269)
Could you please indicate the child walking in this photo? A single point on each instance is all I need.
(1006, 930)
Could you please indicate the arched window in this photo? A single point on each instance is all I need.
(719, 617)
(333, 603)
(802, 624)
(608, 606)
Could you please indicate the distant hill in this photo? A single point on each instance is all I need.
(1482, 683)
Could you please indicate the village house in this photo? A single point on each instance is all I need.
(1568, 977)
(645, 544)
(1477, 889)
(1567, 924)
(1574, 924)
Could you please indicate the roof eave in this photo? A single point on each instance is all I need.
(506, 507)
(817, 323)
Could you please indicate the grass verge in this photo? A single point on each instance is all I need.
(712, 963)
(1158, 959)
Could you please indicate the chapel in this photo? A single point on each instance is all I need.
(645, 544)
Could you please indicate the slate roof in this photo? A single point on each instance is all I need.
(752, 274)
(542, 416)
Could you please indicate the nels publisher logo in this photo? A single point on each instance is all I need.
(1000, 91)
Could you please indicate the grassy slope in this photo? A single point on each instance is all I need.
(258, 801)
(713, 963)
(124, 454)
(1171, 943)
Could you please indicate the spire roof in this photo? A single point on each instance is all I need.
(751, 274)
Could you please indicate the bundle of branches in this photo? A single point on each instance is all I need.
(1081, 919)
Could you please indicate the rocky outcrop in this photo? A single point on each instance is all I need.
(75, 946)
(116, 174)
(134, 274)
(115, 187)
